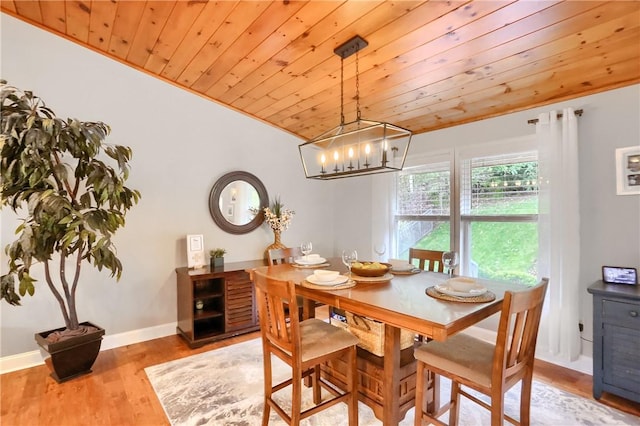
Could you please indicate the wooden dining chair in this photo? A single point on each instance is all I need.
(286, 255)
(491, 369)
(303, 346)
(428, 260)
(283, 255)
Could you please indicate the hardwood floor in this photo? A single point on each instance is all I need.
(119, 393)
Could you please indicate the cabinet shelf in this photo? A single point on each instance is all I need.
(226, 298)
(210, 295)
(202, 315)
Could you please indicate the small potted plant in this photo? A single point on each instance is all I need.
(217, 258)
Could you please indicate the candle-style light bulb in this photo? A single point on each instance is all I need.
(350, 158)
(335, 157)
(323, 160)
(367, 151)
(384, 153)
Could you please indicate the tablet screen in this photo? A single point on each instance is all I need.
(619, 275)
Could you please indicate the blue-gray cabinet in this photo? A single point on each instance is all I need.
(616, 340)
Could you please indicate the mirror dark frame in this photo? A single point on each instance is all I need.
(214, 205)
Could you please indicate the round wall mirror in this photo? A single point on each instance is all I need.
(234, 199)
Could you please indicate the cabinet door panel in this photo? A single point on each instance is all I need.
(239, 302)
(621, 349)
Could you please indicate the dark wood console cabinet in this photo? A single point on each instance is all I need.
(216, 303)
(616, 340)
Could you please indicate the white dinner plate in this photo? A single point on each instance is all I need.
(478, 290)
(315, 261)
(403, 268)
(340, 280)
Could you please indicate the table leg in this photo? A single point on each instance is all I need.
(391, 384)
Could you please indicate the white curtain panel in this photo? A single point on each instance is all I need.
(559, 238)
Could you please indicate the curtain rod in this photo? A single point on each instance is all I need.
(577, 112)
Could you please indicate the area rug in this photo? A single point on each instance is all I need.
(224, 387)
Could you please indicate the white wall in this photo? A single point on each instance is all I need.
(181, 144)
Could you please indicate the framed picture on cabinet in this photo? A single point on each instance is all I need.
(195, 251)
(628, 170)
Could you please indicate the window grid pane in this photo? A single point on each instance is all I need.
(426, 234)
(424, 191)
(500, 185)
(423, 208)
(517, 249)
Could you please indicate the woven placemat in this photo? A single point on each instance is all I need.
(384, 278)
(482, 298)
(318, 265)
(347, 284)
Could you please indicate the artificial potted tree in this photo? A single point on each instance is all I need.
(56, 174)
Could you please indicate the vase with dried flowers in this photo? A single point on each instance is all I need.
(278, 218)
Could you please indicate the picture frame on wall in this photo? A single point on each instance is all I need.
(628, 170)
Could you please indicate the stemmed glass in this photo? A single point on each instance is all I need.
(348, 257)
(380, 249)
(450, 260)
(306, 248)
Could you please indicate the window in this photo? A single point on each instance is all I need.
(498, 217)
(490, 218)
(423, 200)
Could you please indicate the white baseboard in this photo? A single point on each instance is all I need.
(33, 358)
(583, 364)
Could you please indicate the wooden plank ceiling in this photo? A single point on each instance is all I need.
(429, 64)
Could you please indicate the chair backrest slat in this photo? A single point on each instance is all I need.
(428, 260)
(280, 328)
(283, 255)
(518, 331)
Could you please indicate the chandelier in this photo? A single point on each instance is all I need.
(360, 147)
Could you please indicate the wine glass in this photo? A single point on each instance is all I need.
(380, 249)
(348, 257)
(450, 260)
(306, 248)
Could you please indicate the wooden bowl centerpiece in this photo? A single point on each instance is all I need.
(370, 269)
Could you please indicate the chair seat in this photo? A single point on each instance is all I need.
(460, 355)
(320, 338)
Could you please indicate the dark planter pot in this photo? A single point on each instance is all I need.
(72, 357)
(216, 262)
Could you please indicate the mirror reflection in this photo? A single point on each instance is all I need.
(236, 201)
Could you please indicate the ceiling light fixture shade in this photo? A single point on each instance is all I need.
(360, 147)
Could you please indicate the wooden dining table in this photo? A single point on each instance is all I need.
(400, 303)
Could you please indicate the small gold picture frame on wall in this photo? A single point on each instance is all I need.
(628, 170)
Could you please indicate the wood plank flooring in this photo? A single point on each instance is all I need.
(119, 393)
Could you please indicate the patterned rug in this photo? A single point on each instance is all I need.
(224, 387)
